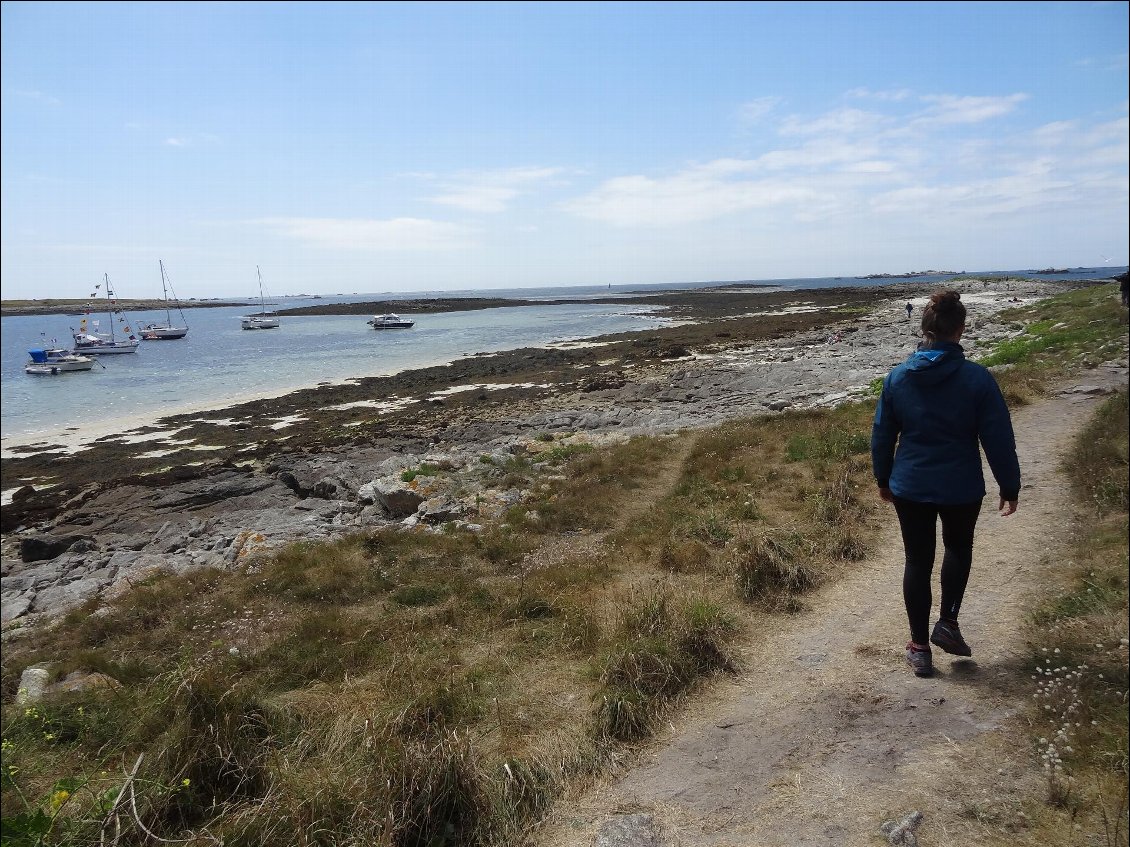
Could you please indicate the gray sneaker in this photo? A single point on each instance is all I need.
(947, 636)
(919, 659)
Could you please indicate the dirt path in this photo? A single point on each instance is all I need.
(826, 734)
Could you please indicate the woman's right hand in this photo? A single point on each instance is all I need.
(1007, 507)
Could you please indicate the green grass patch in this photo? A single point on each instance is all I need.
(1080, 643)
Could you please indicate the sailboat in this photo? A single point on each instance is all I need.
(89, 341)
(262, 319)
(166, 331)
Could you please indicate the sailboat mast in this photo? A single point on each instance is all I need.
(110, 305)
(165, 292)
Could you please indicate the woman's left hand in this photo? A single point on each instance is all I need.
(1007, 507)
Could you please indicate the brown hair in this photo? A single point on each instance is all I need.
(943, 316)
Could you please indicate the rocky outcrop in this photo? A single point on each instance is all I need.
(103, 541)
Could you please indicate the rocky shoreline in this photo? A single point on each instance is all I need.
(426, 448)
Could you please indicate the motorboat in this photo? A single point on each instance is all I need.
(389, 321)
(258, 322)
(54, 361)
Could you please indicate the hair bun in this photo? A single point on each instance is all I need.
(943, 316)
(945, 301)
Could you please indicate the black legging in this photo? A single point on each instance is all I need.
(918, 522)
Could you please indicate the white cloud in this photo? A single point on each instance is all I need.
(838, 122)
(493, 191)
(394, 234)
(753, 111)
(699, 193)
(205, 139)
(951, 109)
(892, 95)
(37, 96)
(819, 154)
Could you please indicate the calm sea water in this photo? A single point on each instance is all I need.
(219, 364)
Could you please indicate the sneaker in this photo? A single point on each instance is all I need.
(919, 659)
(947, 636)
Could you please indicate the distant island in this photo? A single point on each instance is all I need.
(914, 273)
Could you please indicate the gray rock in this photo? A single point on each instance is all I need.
(60, 598)
(202, 492)
(78, 681)
(37, 548)
(628, 831)
(14, 608)
(16, 583)
(395, 497)
(439, 510)
(33, 683)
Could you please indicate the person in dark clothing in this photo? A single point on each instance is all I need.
(1124, 288)
(934, 410)
(909, 309)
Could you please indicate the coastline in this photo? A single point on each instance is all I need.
(742, 317)
(190, 489)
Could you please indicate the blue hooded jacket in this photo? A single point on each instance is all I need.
(937, 406)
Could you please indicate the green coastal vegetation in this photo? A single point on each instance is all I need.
(411, 689)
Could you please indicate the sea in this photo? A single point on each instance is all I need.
(219, 364)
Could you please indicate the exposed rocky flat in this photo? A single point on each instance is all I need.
(215, 488)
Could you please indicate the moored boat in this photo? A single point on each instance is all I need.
(166, 331)
(55, 361)
(263, 319)
(89, 340)
(389, 321)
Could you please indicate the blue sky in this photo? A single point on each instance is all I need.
(369, 147)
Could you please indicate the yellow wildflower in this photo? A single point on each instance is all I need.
(58, 799)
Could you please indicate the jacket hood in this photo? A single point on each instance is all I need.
(935, 364)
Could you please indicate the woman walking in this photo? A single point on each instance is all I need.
(935, 409)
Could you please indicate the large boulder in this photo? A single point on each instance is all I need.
(38, 548)
(399, 499)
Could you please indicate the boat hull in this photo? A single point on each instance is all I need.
(163, 333)
(107, 348)
(52, 362)
(389, 322)
(259, 323)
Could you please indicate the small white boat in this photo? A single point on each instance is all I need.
(264, 319)
(55, 361)
(258, 322)
(389, 322)
(100, 343)
(166, 331)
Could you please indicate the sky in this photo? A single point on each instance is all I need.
(391, 147)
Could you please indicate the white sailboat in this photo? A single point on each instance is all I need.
(166, 331)
(263, 319)
(88, 340)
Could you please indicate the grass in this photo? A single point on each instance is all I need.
(1080, 645)
(441, 688)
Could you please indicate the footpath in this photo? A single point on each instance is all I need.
(826, 734)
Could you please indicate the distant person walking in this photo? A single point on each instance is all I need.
(1124, 287)
(909, 309)
(933, 411)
